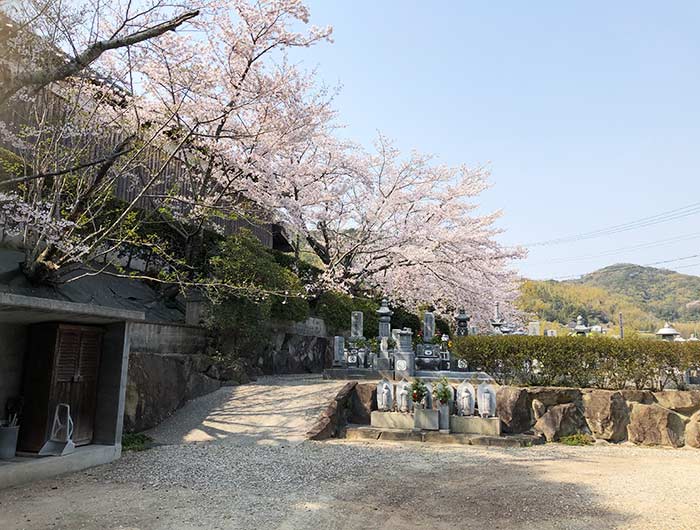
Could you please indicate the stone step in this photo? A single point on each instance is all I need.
(367, 433)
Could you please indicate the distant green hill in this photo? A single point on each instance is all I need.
(666, 294)
(645, 295)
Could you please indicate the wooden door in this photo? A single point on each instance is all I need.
(85, 385)
(75, 377)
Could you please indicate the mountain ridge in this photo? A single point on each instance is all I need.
(646, 296)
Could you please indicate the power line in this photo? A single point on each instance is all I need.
(663, 217)
(649, 244)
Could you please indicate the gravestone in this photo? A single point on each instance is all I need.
(486, 400)
(533, 329)
(428, 327)
(465, 399)
(404, 403)
(338, 351)
(404, 358)
(357, 325)
(385, 398)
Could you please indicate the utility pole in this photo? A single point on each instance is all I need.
(622, 327)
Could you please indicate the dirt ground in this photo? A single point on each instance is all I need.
(241, 478)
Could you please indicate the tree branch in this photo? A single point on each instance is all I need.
(40, 79)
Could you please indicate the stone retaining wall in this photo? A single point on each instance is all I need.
(669, 418)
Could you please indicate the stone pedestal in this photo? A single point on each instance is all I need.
(391, 420)
(475, 425)
(382, 364)
(404, 364)
(444, 421)
(426, 420)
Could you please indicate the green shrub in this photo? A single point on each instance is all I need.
(135, 442)
(576, 439)
(579, 361)
(270, 291)
(335, 309)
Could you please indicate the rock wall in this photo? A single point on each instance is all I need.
(167, 365)
(159, 384)
(332, 421)
(301, 347)
(670, 418)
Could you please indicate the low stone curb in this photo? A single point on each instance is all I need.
(332, 420)
(363, 433)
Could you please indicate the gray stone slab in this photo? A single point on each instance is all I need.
(391, 420)
(21, 470)
(426, 419)
(475, 425)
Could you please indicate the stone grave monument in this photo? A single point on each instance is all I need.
(404, 357)
(338, 352)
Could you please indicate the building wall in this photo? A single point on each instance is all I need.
(13, 345)
(167, 338)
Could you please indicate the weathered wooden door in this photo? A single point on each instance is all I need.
(75, 377)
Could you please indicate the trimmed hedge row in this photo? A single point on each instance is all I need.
(599, 362)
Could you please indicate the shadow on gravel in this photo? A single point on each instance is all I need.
(272, 411)
(429, 491)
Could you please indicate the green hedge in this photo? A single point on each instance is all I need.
(580, 361)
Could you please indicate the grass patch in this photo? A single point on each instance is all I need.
(576, 439)
(136, 442)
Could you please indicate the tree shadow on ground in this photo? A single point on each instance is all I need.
(272, 410)
(480, 490)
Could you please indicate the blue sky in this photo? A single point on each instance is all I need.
(587, 112)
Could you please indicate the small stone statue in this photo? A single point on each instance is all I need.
(485, 405)
(403, 400)
(403, 396)
(384, 398)
(486, 397)
(465, 404)
(466, 396)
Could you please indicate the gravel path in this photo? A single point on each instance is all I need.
(278, 482)
(272, 410)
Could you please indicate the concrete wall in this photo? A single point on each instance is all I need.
(167, 338)
(111, 387)
(13, 345)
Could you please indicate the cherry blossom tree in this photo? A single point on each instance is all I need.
(407, 227)
(215, 102)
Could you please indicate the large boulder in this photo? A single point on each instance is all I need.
(559, 421)
(686, 402)
(513, 409)
(645, 397)
(364, 400)
(553, 395)
(655, 425)
(692, 431)
(607, 414)
(538, 409)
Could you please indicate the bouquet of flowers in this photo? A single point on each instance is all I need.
(418, 391)
(443, 392)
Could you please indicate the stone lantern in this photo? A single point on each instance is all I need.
(384, 314)
(462, 320)
(498, 321)
(667, 332)
(581, 330)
